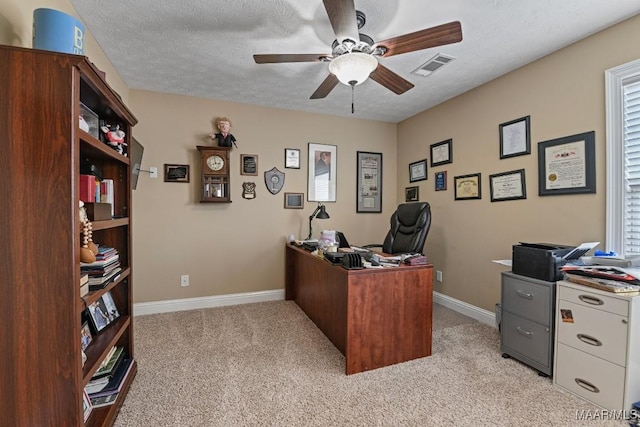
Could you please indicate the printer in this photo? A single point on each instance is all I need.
(543, 260)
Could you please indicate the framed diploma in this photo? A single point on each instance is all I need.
(441, 153)
(292, 158)
(567, 165)
(508, 186)
(467, 187)
(418, 170)
(515, 137)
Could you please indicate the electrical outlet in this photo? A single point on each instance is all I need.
(184, 280)
(438, 276)
(153, 172)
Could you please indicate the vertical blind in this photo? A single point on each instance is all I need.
(631, 117)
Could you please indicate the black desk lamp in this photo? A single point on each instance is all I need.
(320, 213)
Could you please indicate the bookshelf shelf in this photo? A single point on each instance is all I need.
(44, 151)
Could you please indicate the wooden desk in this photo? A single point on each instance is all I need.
(375, 317)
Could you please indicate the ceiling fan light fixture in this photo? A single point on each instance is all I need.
(353, 67)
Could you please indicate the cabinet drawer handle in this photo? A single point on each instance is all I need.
(587, 385)
(590, 300)
(523, 294)
(523, 332)
(589, 340)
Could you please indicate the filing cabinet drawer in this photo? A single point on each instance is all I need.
(589, 377)
(527, 298)
(530, 339)
(596, 332)
(594, 300)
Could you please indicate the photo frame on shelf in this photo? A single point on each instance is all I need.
(102, 312)
(441, 180)
(508, 186)
(249, 164)
(293, 200)
(412, 194)
(442, 153)
(418, 170)
(515, 137)
(85, 336)
(322, 171)
(368, 182)
(176, 173)
(291, 158)
(467, 187)
(567, 165)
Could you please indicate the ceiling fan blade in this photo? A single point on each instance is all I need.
(342, 14)
(325, 87)
(423, 39)
(301, 57)
(390, 80)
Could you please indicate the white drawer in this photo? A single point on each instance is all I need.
(589, 377)
(596, 332)
(595, 300)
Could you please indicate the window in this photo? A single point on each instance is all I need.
(623, 158)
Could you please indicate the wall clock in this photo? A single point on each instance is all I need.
(214, 174)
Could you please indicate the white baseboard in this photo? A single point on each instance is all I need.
(167, 306)
(480, 314)
(154, 307)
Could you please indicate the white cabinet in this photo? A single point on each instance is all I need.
(598, 345)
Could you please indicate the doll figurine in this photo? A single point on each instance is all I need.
(224, 138)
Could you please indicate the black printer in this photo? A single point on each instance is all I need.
(542, 260)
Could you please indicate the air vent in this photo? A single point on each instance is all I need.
(433, 65)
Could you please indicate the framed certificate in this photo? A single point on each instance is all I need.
(292, 158)
(441, 153)
(418, 170)
(567, 165)
(467, 187)
(508, 186)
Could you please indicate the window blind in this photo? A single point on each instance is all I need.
(631, 123)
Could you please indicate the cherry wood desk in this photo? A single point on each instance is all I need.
(375, 317)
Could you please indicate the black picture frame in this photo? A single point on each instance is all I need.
(249, 164)
(441, 153)
(293, 200)
(176, 173)
(85, 336)
(509, 185)
(412, 194)
(102, 312)
(515, 137)
(567, 165)
(418, 171)
(468, 187)
(292, 158)
(368, 182)
(440, 180)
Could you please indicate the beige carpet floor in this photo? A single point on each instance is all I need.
(266, 364)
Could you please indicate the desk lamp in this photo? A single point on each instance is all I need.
(320, 213)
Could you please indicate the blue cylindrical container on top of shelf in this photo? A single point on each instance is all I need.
(56, 31)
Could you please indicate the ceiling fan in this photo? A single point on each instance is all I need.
(354, 56)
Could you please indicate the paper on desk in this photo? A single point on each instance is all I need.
(506, 262)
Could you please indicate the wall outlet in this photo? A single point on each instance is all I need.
(438, 276)
(153, 172)
(184, 280)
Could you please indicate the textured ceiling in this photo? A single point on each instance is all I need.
(205, 48)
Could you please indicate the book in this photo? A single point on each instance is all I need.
(84, 278)
(96, 385)
(87, 188)
(116, 381)
(108, 368)
(106, 193)
(84, 290)
(98, 402)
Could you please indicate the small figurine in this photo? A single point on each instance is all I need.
(224, 138)
(88, 249)
(114, 136)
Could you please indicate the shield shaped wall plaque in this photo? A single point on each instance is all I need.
(274, 180)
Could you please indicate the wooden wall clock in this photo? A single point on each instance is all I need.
(214, 174)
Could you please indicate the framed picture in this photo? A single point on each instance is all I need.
(293, 200)
(85, 336)
(508, 186)
(110, 305)
(321, 181)
(412, 194)
(441, 153)
(292, 158)
(467, 187)
(86, 405)
(103, 312)
(441, 180)
(249, 164)
(567, 165)
(369, 182)
(418, 170)
(176, 173)
(515, 138)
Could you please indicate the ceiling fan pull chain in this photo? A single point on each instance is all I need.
(353, 88)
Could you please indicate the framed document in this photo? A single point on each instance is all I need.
(292, 158)
(418, 170)
(515, 137)
(322, 170)
(441, 153)
(567, 165)
(508, 186)
(441, 180)
(369, 182)
(249, 164)
(176, 173)
(467, 187)
(293, 200)
(412, 194)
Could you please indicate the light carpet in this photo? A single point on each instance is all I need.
(267, 364)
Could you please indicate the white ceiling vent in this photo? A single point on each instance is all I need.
(433, 65)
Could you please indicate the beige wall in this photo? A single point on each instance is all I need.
(564, 95)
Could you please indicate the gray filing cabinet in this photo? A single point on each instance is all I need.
(527, 327)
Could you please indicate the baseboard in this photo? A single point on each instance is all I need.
(480, 314)
(143, 308)
(154, 307)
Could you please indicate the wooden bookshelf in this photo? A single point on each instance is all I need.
(42, 150)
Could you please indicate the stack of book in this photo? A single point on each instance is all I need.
(104, 269)
(84, 284)
(108, 380)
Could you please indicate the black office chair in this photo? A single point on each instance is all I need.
(410, 225)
